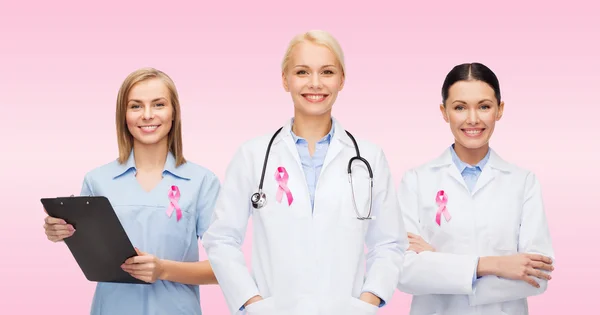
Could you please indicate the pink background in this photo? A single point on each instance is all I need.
(62, 62)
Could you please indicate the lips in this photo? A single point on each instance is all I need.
(149, 128)
(473, 132)
(315, 98)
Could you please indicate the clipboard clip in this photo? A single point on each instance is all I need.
(71, 196)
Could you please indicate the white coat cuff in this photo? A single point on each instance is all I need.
(493, 289)
(437, 273)
(381, 281)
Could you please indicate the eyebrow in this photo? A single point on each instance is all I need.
(482, 101)
(154, 100)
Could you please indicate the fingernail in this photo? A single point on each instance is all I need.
(63, 222)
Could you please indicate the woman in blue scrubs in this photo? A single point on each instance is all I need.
(164, 203)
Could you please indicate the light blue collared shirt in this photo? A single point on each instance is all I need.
(470, 174)
(144, 217)
(312, 165)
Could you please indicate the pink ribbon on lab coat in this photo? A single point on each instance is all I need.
(281, 176)
(173, 202)
(442, 199)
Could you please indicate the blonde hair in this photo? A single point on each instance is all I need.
(124, 137)
(316, 37)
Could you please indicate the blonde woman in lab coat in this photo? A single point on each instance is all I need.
(479, 240)
(308, 251)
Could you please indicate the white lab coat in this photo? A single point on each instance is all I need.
(504, 215)
(303, 261)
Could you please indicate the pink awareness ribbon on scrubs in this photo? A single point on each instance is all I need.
(442, 199)
(281, 176)
(173, 202)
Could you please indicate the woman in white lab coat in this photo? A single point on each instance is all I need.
(479, 240)
(308, 250)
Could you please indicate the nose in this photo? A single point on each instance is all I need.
(472, 117)
(148, 113)
(315, 81)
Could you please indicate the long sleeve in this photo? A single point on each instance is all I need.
(386, 238)
(534, 238)
(225, 236)
(430, 272)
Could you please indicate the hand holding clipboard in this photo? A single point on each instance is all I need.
(57, 229)
(100, 246)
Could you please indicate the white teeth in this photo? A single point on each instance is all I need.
(315, 97)
(149, 128)
(473, 132)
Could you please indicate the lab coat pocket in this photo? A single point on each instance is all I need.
(262, 307)
(503, 221)
(503, 236)
(353, 231)
(359, 307)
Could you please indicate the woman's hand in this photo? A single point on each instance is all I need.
(254, 299)
(524, 267)
(145, 267)
(418, 244)
(370, 298)
(57, 229)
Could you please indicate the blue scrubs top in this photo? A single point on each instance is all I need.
(144, 217)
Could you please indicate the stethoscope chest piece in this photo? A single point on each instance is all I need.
(258, 200)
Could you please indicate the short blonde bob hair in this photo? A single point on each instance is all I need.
(316, 37)
(124, 137)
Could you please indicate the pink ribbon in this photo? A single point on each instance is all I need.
(442, 199)
(173, 205)
(281, 176)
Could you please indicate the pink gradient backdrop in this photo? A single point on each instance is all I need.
(61, 63)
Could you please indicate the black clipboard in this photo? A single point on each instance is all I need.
(99, 245)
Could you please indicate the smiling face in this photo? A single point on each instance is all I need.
(313, 77)
(149, 114)
(472, 110)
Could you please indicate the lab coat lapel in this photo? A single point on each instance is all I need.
(452, 171)
(338, 142)
(289, 148)
(286, 136)
(487, 175)
(490, 171)
(445, 160)
(293, 151)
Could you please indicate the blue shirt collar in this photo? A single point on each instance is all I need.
(327, 137)
(130, 166)
(462, 165)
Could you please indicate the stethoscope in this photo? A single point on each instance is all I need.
(259, 199)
